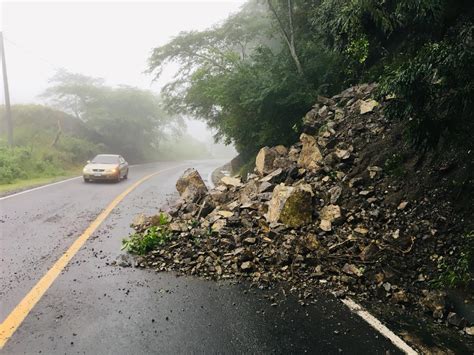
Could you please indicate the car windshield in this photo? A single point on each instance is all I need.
(105, 159)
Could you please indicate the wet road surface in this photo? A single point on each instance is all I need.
(94, 307)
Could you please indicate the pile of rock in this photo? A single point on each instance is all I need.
(323, 212)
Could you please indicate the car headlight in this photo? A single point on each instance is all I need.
(114, 170)
(86, 171)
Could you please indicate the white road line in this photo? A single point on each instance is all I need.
(54, 183)
(39, 188)
(353, 306)
(377, 325)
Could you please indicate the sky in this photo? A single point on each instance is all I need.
(111, 40)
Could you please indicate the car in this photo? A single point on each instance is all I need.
(105, 167)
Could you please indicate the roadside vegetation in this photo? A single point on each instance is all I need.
(49, 144)
(459, 271)
(254, 76)
(156, 234)
(85, 118)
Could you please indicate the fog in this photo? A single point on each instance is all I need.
(109, 40)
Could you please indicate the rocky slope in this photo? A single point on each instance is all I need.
(342, 209)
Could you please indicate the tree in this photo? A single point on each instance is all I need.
(131, 121)
(72, 92)
(241, 79)
(288, 30)
(419, 50)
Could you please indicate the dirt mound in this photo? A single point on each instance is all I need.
(345, 209)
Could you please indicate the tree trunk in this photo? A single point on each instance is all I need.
(289, 35)
(58, 135)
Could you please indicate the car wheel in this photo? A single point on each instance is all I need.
(118, 178)
(126, 175)
(86, 180)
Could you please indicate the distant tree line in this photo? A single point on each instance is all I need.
(129, 121)
(86, 117)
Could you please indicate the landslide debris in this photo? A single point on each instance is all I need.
(331, 211)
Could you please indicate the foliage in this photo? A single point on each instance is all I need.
(73, 92)
(22, 163)
(35, 155)
(130, 121)
(250, 92)
(435, 91)
(420, 50)
(459, 273)
(393, 165)
(254, 89)
(142, 243)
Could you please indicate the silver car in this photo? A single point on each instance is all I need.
(106, 167)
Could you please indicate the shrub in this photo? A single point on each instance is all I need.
(142, 243)
(458, 272)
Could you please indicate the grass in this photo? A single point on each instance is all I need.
(458, 273)
(150, 238)
(25, 184)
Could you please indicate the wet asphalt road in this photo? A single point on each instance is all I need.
(94, 307)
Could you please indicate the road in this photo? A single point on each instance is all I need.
(95, 307)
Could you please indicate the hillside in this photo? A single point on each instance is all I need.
(349, 209)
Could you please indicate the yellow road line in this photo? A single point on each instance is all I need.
(19, 313)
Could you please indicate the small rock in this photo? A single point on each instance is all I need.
(351, 269)
(246, 266)
(369, 252)
(218, 225)
(454, 319)
(334, 193)
(343, 154)
(367, 106)
(402, 205)
(250, 240)
(225, 214)
(400, 297)
(435, 301)
(361, 231)
(139, 220)
(231, 181)
(331, 213)
(311, 242)
(325, 225)
(281, 150)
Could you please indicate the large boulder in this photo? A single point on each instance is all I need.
(291, 205)
(264, 161)
(190, 185)
(248, 192)
(310, 156)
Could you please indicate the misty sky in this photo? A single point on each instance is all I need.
(111, 40)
